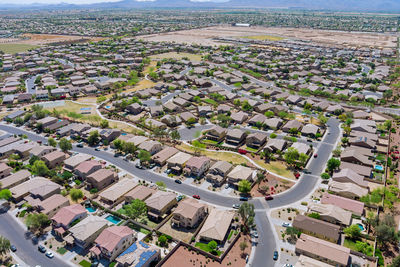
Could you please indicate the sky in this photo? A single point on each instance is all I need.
(20, 2)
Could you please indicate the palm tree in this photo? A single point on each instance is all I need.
(260, 178)
(4, 246)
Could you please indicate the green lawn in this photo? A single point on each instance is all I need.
(138, 228)
(210, 142)
(62, 250)
(85, 263)
(230, 235)
(250, 149)
(16, 48)
(205, 247)
(350, 244)
(210, 101)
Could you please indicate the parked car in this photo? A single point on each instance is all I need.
(268, 197)
(49, 255)
(243, 198)
(275, 258)
(79, 145)
(285, 224)
(41, 248)
(315, 155)
(196, 196)
(139, 166)
(254, 234)
(178, 181)
(13, 248)
(97, 149)
(236, 206)
(179, 198)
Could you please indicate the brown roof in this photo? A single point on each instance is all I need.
(188, 208)
(352, 205)
(140, 192)
(53, 202)
(101, 174)
(317, 227)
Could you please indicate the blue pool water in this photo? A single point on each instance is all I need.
(108, 106)
(379, 167)
(90, 209)
(113, 219)
(360, 226)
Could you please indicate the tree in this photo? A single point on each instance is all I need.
(5, 246)
(333, 164)
(212, 245)
(104, 124)
(175, 135)
(243, 245)
(303, 159)
(52, 142)
(387, 124)
(314, 215)
(33, 159)
(5, 194)
(65, 144)
(118, 144)
(162, 240)
(76, 194)
(322, 118)
(292, 232)
(39, 168)
(246, 212)
(144, 156)
(396, 262)
(244, 186)
(136, 209)
(260, 178)
(353, 231)
(93, 138)
(325, 176)
(37, 221)
(291, 155)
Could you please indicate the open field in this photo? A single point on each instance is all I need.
(277, 167)
(265, 38)
(205, 36)
(176, 55)
(11, 48)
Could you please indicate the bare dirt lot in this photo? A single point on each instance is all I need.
(205, 36)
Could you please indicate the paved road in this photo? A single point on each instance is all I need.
(267, 244)
(26, 247)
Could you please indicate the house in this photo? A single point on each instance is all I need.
(362, 141)
(112, 241)
(239, 117)
(115, 194)
(256, 140)
(39, 187)
(102, 178)
(274, 145)
(171, 120)
(134, 108)
(331, 213)
(67, 216)
(240, 173)
(323, 250)
(257, 120)
(349, 190)
(235, 137)
(140, 192)
(109, 135)
(54, 158)
(46, 121)
(310, 130)
(87, 167)
(273, 123)
(151, 146)
(53, 204)
(219, 172)
(364, 171)
(40, 151)
(177, 161)
(5, 170)
(86, 231)
(23, 150)
(15, 179)
(356, 207)
(189, 213)
(160, 203)
(72, 162)
(305, 261)
(292, 124)
(216, 133)
(347, 175)
(216, 226)
(162, 156)
(139, 254)
(317, 228)
(352, 155)
(197, 166)
(187, 117)
(301, 148)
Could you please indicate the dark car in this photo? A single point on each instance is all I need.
(97, 149)
(79, 145)
(275, 258)
(268, 197)
(178, 181)
(13, 248)
(41, 248)
(315, 155)
(243, 198)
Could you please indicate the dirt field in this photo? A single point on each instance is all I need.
(205, 36)
(175, 55)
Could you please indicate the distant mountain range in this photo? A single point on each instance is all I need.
(334, 5)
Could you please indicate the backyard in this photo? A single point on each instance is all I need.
(178, 233)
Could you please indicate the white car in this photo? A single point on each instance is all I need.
(285, 224)
(49, 254)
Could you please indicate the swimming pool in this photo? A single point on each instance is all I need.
(379, 167)
(361, 226)
(90, 209)
(113, 219)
